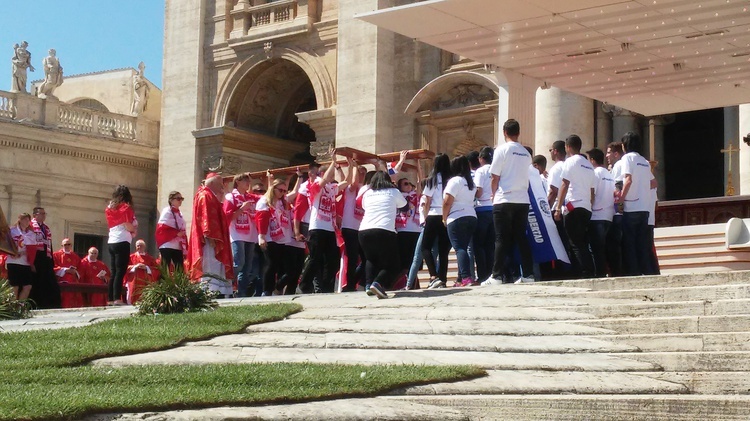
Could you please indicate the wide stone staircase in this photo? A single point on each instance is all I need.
(642, 348)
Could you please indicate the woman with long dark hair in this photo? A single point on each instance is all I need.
(434, 229)
(377, 233)
(171, 238)
(122, 228)
(459, 216)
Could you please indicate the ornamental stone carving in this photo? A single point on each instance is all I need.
(21, 62)
(141, 91)
(462, 96)
(322, 149)
(53, 75)
(221, 164)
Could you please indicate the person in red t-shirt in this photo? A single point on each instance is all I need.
(66, 270)
(94, 271)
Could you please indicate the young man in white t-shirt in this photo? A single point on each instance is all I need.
(554, 181)
(576, 195)
(636, 197)
(602, 211)
(614, 235)
(510, 204)
(484, 234)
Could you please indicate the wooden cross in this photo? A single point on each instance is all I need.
(730, 150)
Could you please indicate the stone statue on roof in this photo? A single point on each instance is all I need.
(21, 61)
(53, 75)
(140, 91)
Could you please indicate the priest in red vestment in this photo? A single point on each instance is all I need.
(210, 251)
(3, 269)
(94, 271)
(142, 270)
(66, 269)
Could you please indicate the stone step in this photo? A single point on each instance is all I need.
(663, 309)
(708, 382)
(683, 342)
(486, 360)
(481, 343)
(656, 281)
(684, 324)
(695, 361)
(430, 327)
(687, 242)
(504, 382)
(690, 293)
(587, 407)
(441, 313)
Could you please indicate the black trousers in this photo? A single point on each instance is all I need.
(322, 263)
(381, 252)
(45, 292)
(172, 256)
(274, 266)
(434, 230)
(510, 231)
(577, 227)
(294, 261)
(120, 258)
(354, 253)
(614, 247)
(407, 247)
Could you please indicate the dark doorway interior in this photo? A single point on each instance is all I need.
(694, 164)
(83, 242)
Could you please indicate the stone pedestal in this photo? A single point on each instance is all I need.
(561, 114)
(365, 80)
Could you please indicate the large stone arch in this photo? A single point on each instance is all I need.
(242, 74)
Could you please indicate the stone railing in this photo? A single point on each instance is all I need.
(26, 108)
(7, 104)
(247, 19)
(275, 12)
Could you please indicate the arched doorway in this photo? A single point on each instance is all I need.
(266, 102)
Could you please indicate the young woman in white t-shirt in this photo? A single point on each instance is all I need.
(20, 275)
(122, 228)
(434, 229)
(377, 233)
(459, 215)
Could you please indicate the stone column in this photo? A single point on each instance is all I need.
(744, 159)
(521, 105)
(182, 101)
(428, 136)
(561, 114)
(365, 80)
(732, 136)
(656, 150)
(603, 133)
(623, 121)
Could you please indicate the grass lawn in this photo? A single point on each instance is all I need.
(43, 376)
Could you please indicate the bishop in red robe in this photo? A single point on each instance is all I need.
(142, 270)
(66, 269)
(94, 271)
(210, 250)
(3, 269)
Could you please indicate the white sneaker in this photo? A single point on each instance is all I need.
(525, 280)
(436, 283)
(492, 281)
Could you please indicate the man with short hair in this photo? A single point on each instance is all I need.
(66, 269)
(94, 271)
(636, 198)
(302, 209)
(510, 209)
(602, 211)
(614, 235)
(142, 271)
(554, 180)
(576, 194)
(539, 162)
(210, 251)
(239, 208)
(45, 291)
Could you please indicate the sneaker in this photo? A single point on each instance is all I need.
(525, 280)
(368, 290)
(378, 290)
(492, 282)
(436, 283)
(468, 282)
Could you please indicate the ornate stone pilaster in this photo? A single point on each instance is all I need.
(623, 121)
(323, 123)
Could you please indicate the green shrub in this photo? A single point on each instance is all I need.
(10, 307)
(175, 293)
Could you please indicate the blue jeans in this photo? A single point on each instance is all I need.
(242, 256)
(416, 264)
(460, 233)
(636, 246)
(484, 244)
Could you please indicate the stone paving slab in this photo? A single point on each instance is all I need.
(442, 313)
(501, 382)
(483, 343)
(488, 360)
(422, 327)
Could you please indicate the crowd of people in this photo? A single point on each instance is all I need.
(508, 218)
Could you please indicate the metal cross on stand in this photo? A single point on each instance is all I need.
(730, 150)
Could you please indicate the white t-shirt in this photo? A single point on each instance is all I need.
(554, 178)
(580, 173)
(22, 240)
(436, 193)
(639, 194)
(352, 215)
(483, 180)
(173, 220)
(652, 208)
(604, 200)
(288, 230)
(463, 198)
(408, 221)
(511, 163)
(303, 191)
(323, 214)
(280, 219)
(244, 219)
(380, 209)
(617, 170)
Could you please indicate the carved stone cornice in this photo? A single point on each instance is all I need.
(152, 165)
(252, 142)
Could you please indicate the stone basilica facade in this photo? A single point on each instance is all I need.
(262, 84)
